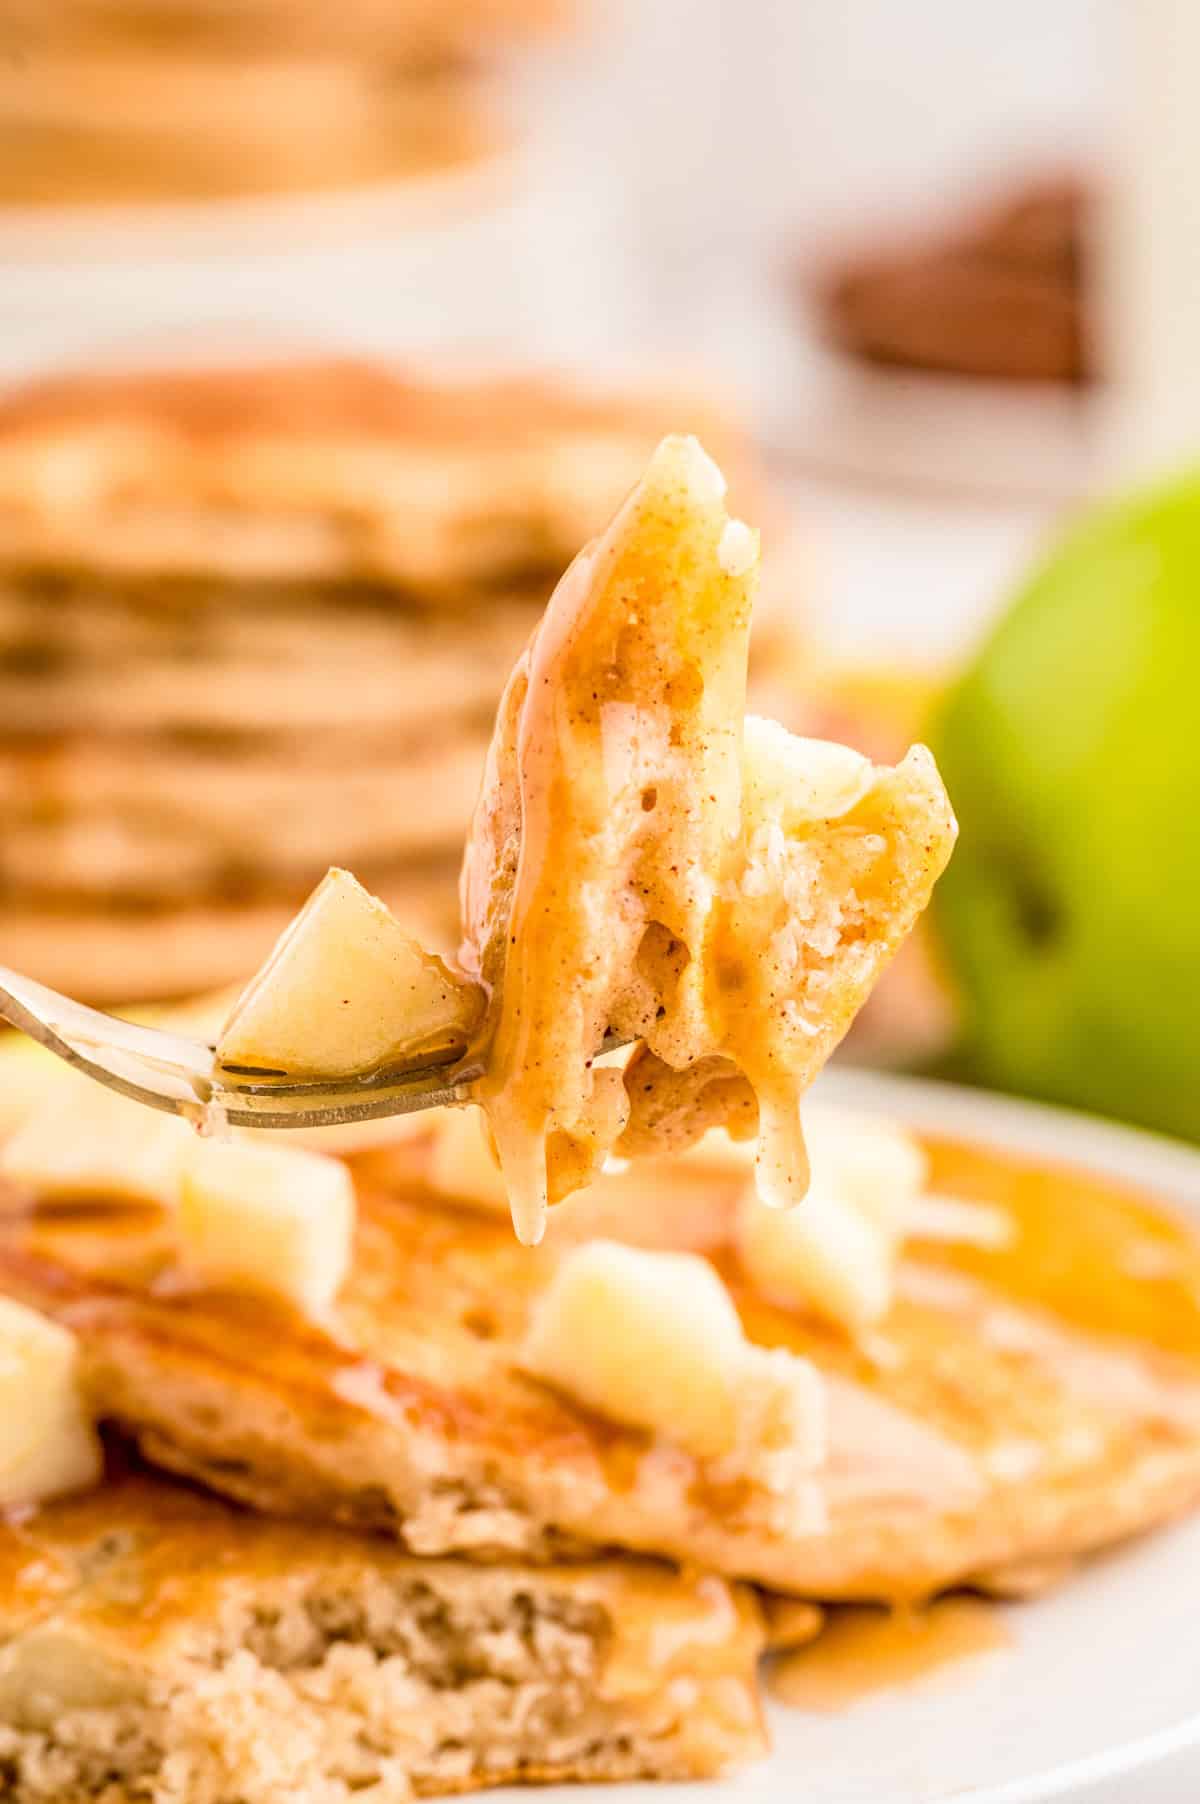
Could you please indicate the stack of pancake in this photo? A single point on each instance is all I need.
(1028, 1397)
(254, 621)
(163, 100)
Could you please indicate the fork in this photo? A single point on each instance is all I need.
(182, 1076)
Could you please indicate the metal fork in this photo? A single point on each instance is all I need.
(181, 1075)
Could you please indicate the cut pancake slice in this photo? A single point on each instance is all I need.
(647, 862)
(157, 1646)
(1019, 1403)
(840, 858)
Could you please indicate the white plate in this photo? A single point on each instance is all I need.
(1099, 1680)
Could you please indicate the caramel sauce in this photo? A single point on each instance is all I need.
(1096, 1253)
(689, 1623)
(865, 1651)
(615, 768)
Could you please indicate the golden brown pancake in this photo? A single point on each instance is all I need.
(247, 666)
(135, 101)
(157, 1645)
(255, 619)
(408, 33)
(203, 831)
(647, 860)
(327, 469)
(83, 128)
(1015, 1407)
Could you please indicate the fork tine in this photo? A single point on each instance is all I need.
(265, 1111)
(172, 1072)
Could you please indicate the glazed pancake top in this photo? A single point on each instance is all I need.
(1019, 1403)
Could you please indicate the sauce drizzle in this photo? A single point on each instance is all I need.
(864, 1650)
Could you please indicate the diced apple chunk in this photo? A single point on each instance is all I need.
(653, 1339)
(792, 781)
(347, 990)
(48, 1443)
(835, 1253)
(821, 1256)
(86, 1143)
(274, 1220)
(875, 1164)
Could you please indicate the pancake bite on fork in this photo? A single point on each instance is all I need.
(648, 868)
(646, 861)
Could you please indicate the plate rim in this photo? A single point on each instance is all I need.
(1170, 1169)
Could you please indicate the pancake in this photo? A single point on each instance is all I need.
(648, 860)
(1018, 1406)
(409, 33)
(254, 666)
(203, 831)
(80, 128)
(136, 101)
(326, 469)
(157, 951)
(156, 1645)
(255, 619)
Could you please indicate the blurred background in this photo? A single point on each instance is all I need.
(328, 334)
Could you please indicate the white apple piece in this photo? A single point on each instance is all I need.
(48, 1442)
(88, 1144)
(346, 990)
(274, 1220)
(835, 1253)
(653, 1339)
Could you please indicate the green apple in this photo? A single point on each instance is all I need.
(1070, 915)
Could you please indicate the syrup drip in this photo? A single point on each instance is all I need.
(864, 1650)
